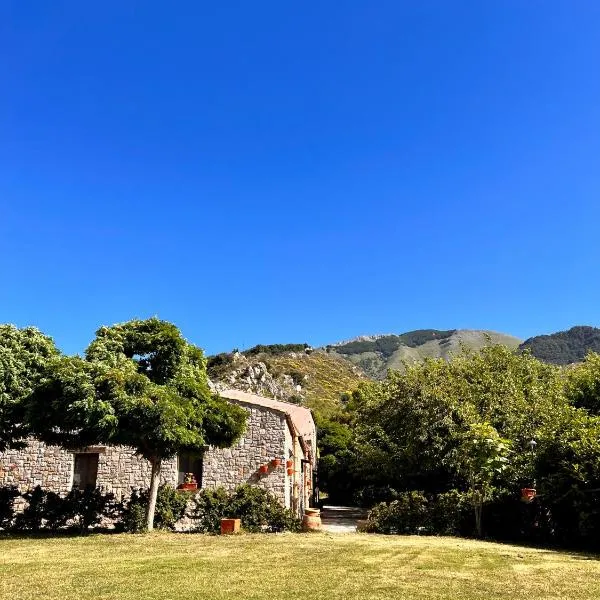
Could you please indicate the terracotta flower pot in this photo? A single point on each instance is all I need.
(230, 526)
(276, 462)
(290, 472)
(264, 469)
(528, 494)
(187, 486)
(289, 463)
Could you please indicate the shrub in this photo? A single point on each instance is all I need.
(8, 494)
(209, 508)
(170, 507)
(451, 513)
(258, 510)
(371, 495)
(89, 507)
(408, 514)
(44, 510)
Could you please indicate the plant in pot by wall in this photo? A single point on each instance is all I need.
(264, 469)
(189, 482)
(276, 462)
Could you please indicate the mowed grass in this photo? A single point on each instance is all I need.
(288, 566)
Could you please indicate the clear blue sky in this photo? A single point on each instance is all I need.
(262, 172)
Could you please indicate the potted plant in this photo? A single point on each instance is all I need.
(276, 462)
(528, 494)
(189, 482)
(264, 469)
(290, 471)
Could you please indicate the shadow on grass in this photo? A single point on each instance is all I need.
(60, 533)
(576, 552)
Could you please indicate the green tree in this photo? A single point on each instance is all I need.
(583, 384)
(412, 424)
(24, 354)
(482, 456)
(141, 384)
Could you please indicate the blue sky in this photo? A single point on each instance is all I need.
(286, 172)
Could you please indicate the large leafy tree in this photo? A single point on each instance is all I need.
(412, 425)
(141, 384)
(24, 354)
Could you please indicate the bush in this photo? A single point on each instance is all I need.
(89, 507)
(170, 507)
(79, 509)
(408, 514)
(451, 513)
(8, 494)
(371, 495)
(44, 510)
(258, 510)
(209, 508)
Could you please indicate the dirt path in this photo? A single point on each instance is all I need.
(341, 519)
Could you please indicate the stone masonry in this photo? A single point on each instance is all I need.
(271, 433)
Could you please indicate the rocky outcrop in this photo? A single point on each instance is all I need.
(255, 377)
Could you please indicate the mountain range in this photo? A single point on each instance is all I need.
(318, 377)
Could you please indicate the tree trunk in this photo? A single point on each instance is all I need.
(154, 483)
(478, 514)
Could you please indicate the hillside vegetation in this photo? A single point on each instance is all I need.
(564, 347)
(376, 354)
(314, 379)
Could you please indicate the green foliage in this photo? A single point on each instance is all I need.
(583, 384)
(170, 507)
(568, 472)
(371, 495)
(140, 385)
(388, 344)
(564, 347)
(24, 354)
(44, 510)
(413, 512)
(338, 473)
(258, 510)
(218, 365)
(275, 349)
(408, 514)
(210, 506)
(80, 510)
(8, 495)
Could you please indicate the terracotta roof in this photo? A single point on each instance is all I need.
(301, 417)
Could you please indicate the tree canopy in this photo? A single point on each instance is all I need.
(140, 384)
(24, 354)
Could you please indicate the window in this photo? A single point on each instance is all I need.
(85, 469)
(189, 463)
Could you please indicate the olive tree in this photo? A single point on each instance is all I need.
(140, 384)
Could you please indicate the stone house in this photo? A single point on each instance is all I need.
(275, 431)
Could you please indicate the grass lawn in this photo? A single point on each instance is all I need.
(288, 566)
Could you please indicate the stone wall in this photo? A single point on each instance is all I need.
(263, 441)
(267, 437)
(51, 467)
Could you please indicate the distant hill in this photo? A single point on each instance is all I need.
(288, 372)
(376, 354)
(564, 347)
